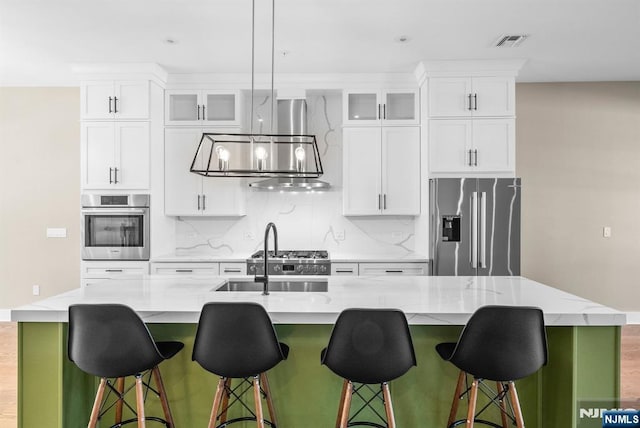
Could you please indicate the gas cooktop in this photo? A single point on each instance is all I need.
(291, 262)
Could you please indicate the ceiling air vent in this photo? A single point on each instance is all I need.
(509, 41)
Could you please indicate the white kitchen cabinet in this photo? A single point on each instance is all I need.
(203, 108)
(233, 268)
(370, 269)
(93, 272)
(344, 269)
(115, 100)
(185, 268)
(115, 155)
(471, 146)
(381, 107)
(189, 194)
(381, 171)
(489, 96)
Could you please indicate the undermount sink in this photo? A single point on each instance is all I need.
(313, 285)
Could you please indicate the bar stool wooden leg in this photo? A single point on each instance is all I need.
(345, 387)
(217, 398)
(120, 389)
(267, 391)
(503, 408)
(95, 411)
(157, 377)
(140, 402)
(471, 412)
(343, 413)
(257, 397)
(456, 398)
(388, 407)
(225, 400)
(515, 402)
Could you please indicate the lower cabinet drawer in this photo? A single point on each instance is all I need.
(111, 269)
(344, 269)
(233, 269)
(185, 268)
(417, 269)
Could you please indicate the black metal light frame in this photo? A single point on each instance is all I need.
(213, 168)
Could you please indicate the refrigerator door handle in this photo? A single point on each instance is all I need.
(483, 230)
(474, 230)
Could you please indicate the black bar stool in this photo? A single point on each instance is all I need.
(237, 340)
(110, 341)
(500, 344)
(367, 347)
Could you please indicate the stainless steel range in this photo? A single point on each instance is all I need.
(293, 262)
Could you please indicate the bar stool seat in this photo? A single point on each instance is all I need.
(110, 341)
(368, 347)
(238, 341)
(500, 344)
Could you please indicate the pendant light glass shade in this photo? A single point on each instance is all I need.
(257, 155)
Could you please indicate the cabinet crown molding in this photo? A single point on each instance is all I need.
(467, 68)
(121, 71)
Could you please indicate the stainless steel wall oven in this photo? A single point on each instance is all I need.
(115, 227)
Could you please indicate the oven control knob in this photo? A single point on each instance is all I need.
(315, 269)
(323, 269)
(252, 268)
(300, 268)
(277, 268)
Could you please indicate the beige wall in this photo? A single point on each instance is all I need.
(39, 188)
(578, 153)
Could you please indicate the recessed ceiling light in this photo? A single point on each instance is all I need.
(510, 40)
(402, 39)
(170, 41)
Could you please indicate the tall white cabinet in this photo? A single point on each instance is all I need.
(381, 155)
(470, 118)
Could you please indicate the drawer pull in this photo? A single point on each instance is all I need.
(184, 270)
(113, 270)
(393, 271)
(344, 270)
(231, 270)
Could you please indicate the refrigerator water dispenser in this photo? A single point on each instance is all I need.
(451, 228)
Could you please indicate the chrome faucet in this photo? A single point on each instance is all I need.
(265, 278)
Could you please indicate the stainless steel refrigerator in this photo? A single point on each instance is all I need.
(475, 226)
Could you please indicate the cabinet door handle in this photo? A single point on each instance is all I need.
(115, 104)
(384, 111)
(379, 199)
(204, 202)
(113, 270)
(378, 111)
(475, 101)
(184, 270)
(384, 203)
(475, 157)
(110, 111)
(469, 161)
(470, 107)
(115, 170)
(198, 112)
(110, 179)
(198, 202)
(394, 271)
(204, 117)
(228, 270)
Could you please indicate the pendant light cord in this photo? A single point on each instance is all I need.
(253, 42)
(253, 57)
(273, 30)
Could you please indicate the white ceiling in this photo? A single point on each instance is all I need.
(570, 40)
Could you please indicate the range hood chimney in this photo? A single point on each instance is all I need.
(292, 120)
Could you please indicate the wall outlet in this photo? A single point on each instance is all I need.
(56, 232)
(36, 290)
(249, 236)
(339, 235)
(606, 232)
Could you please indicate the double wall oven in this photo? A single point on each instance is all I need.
(115, 227)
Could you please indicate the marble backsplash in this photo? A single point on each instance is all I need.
(305, 220)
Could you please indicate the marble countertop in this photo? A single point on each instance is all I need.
(335, 258)
(425, 300)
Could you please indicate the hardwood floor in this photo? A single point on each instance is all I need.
(630, 369)
(8, 375)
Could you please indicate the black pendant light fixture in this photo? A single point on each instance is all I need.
(258, 155)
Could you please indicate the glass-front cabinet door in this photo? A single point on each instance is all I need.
(381, 107)
(202, 108)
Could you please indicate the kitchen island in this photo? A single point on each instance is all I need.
(583, 336)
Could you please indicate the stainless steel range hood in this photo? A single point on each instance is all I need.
(292, 120)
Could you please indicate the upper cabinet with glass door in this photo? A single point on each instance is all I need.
(203, 108)
(386, 107)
